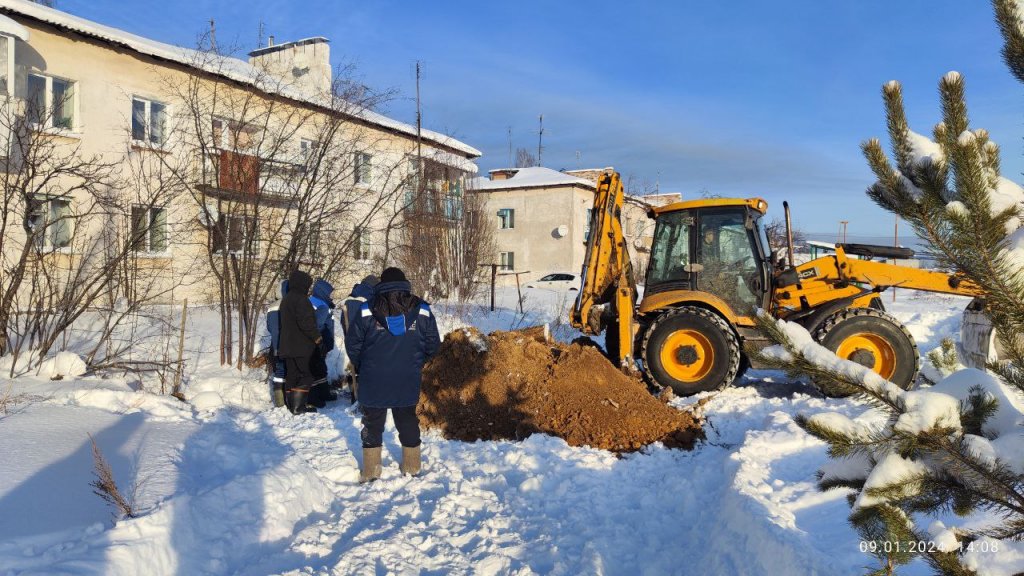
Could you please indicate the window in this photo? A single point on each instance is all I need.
(726, 251)
(363, 167)
(507, 216)
(507, 260)
(412, 182)
(6, 65)
(149, 229)
(670, 254)
(453, 200)
(586, 226)
(50, 219)
(306, 149)
(148, 121)
(231, 234)
(233, 135)
(51, 102)
(361, 243)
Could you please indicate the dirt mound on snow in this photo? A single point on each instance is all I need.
(509, 385)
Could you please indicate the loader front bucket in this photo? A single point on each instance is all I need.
(977, 338)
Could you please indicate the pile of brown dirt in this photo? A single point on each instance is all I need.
(509, 385)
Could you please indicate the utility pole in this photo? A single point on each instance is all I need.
(213, 35)
(419, 131)
(540, 141)
(842, 231)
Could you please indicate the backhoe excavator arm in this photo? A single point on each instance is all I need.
(608, 291)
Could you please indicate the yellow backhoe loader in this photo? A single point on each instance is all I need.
(711, 268)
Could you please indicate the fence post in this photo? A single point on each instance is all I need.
(176, 389)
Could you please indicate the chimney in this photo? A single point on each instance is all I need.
(304, 65)
(502, 173)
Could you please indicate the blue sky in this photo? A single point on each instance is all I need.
(749, 98)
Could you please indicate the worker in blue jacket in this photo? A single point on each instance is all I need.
(323, 308)
(362, 293)
(388, 344)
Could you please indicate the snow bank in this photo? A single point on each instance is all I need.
(63, 365)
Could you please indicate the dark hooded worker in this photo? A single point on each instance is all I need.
(298, 341)
(388, 344)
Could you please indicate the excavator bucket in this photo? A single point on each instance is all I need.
(977, 338)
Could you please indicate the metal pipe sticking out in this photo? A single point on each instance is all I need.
(789, 234)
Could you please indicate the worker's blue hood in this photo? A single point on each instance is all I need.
(322, 289)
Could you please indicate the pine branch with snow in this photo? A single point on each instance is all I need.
(1009, 20)
(951, 192)
(942, 361)
(954, 448)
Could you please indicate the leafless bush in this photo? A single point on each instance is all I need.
(279, 186)
(444, 235)
(8, 398)
(106, 488)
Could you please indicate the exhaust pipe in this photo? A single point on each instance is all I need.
(789, 234)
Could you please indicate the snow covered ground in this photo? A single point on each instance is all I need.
(238, 487)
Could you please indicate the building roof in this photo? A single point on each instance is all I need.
(287, 45)
(534, 177)
(228, 67)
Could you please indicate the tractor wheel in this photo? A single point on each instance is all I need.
(872, 339)
(691, 350)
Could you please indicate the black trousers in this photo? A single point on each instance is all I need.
(406, 421)
(297, 374)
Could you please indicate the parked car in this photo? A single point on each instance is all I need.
(558, 281)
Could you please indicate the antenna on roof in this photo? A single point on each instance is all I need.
(578, 154)
(419, 129)
(259, 34)
(213, 35)
(540, 141)
(509, 146)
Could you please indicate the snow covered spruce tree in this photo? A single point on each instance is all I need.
(937, 473)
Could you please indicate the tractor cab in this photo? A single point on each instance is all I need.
(712, 246)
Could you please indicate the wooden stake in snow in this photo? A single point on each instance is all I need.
(176, 389)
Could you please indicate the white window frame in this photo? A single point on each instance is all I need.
(506, 218)
(361, 244)
(363, 168)
(45, 240)
(507, 261)
(306, 147)
(48, 103)
(8, 65)
(147, 240)
(147, 136)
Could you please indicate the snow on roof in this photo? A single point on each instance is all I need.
(225, 66)
(286, 45)
(534, 177)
